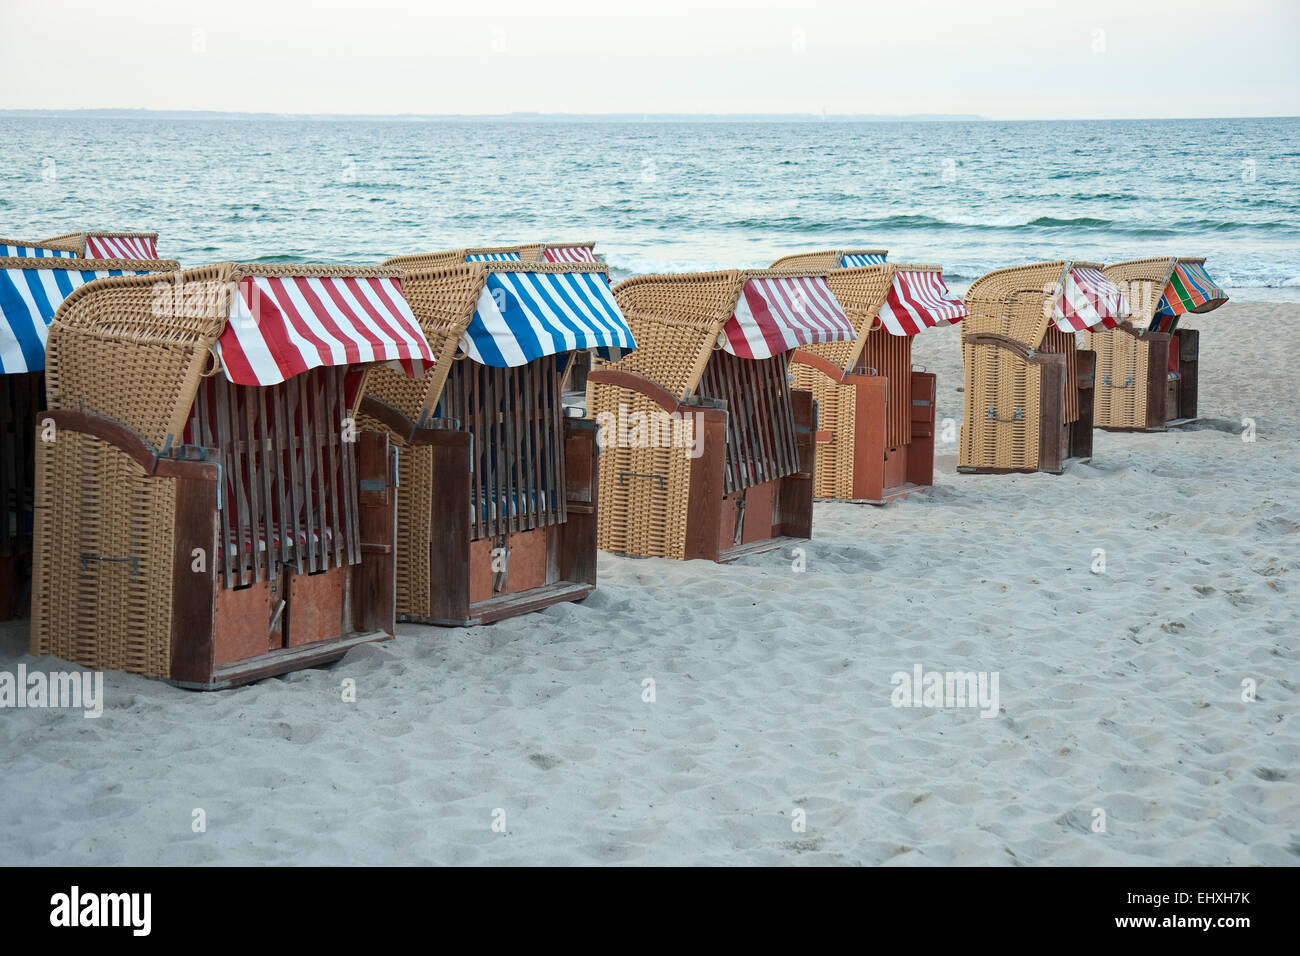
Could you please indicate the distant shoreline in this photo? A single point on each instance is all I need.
(527, 117)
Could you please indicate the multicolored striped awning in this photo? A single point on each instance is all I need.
(850, 259)
(28, 300)
(919, 299)
(21, 251)
(522, 316)
(102, 246)
(1088, 299)
(492, 257)
(569, 254)
(281, 326)
(775, 315)
(1190, 289)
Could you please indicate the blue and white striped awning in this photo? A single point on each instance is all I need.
(851, 259)
(28, 300)
(492, 257)
(33, 252)
(522, 316)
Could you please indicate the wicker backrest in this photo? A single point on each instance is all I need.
(1143, 282)
(1015, 302)
(135, 348)
(676, 320)
(75, 242)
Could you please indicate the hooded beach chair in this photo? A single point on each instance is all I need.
(208, 511)
(1147, 371)
(34, 280)
(1028, 386)
(106, 245)
(706, 451)
(875, 432)
(529, 252)
(497, 514)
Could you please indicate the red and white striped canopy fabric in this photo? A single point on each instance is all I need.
(568, 254)
(120, 247)
(919, 300)
(775, 315)
(281, 326)
(1088, 299)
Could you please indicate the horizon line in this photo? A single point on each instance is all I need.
(633, 116)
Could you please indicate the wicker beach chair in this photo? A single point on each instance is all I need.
(34, 280)
(875, 437)
(209, 513)
(106, 245)
(528, 252)
(1028, 386)
(497, 515)
(1148, 370)
(706, 451)
(832, 259)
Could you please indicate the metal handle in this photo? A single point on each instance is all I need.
(86, 559)
(636, 474)
(993, 415)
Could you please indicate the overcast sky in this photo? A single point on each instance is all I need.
(1006, 59)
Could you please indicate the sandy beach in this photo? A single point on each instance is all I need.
(1119, 692)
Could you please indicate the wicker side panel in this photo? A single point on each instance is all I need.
(103, 558)
(644, 492)
(999, 380)
(1121, 379)
(414, 521)
(836, 413)
(414, 531)
(124, 349)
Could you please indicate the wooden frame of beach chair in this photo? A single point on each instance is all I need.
(208, 512)
(876, 414)
(497, 516)
(32, 285)
(1148, 370)
(106, 245)
(728, 470)
(1028, 386)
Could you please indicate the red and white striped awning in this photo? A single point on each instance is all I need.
(919, 299)
(120, 247)
(568, 254)
(1088, 299)
(775, 315)
(281, 326)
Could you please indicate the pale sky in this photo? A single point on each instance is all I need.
(1005, 59)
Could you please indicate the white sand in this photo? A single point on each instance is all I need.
(1119, 691)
